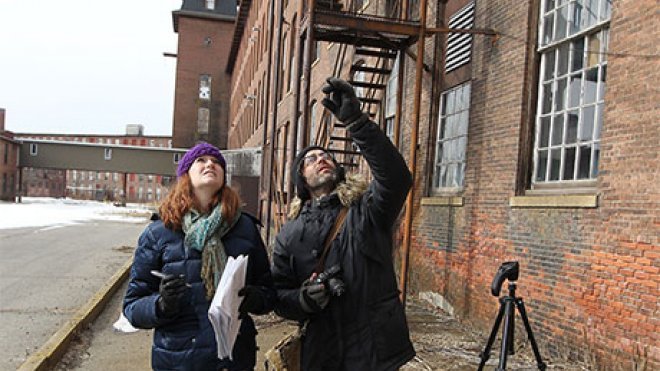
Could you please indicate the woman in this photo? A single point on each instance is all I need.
(199, 226)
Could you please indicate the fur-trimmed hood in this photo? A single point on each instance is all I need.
(348, 191)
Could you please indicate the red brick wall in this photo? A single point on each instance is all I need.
(194, 59)
(589, 277)
(8, 171)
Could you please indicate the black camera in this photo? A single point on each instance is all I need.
(507, 271)
(330, 279)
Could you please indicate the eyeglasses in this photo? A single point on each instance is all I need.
(310, 159)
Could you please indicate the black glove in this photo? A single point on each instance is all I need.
(313, 296)
(172, 288)
(341, 100)
(253, 300)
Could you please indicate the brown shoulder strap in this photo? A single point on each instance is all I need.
(331, 236)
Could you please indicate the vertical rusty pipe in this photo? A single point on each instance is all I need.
(264, 122)
(296, 92)
(419, 69)
(307, 63)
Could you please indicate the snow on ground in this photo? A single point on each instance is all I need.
(55, 213)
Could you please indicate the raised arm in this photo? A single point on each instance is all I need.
(392, 179)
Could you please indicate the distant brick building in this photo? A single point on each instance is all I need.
(538, 144)
(8, 161)
(97, 185)
(201, 97)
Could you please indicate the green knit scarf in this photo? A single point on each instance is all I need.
(204, 232)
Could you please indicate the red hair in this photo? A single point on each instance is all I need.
(181, 199)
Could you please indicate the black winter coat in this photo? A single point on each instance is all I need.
(187, 341)
(365, 328)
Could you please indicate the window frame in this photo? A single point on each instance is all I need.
(555, 134)
(465, 90)
(205, 81)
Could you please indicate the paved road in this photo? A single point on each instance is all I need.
(47, 274)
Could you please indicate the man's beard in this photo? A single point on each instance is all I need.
(328, 180)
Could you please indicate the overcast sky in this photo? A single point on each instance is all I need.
(87, 66)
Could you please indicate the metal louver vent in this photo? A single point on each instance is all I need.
(459, 45)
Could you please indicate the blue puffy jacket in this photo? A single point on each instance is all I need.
(187, 341)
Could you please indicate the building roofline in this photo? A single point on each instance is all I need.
(3, 136)
(93, 135)
(238, 34)
(199, 15)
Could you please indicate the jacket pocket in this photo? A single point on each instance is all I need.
(389, 328)
(173, 342)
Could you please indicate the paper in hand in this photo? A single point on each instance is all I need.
(223, 312)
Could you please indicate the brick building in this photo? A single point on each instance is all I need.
(531, 156)
(538, 142)
(97, 185)
(201, 97)
(8, 161)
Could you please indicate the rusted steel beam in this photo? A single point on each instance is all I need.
(410, 201)
(365, 24)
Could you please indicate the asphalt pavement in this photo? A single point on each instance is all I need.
(47, 274)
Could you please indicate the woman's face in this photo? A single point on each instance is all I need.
(206, 173)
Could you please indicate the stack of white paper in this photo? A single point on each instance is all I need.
(223, 312)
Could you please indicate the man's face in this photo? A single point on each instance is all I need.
(319, 169)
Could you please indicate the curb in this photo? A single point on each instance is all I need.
(52, 351)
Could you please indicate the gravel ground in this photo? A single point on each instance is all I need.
(441, 342)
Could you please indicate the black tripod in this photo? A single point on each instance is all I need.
(507, 307)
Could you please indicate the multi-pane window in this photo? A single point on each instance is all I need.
(203, 118)
(452, 138)
(205, 87)
(390, 100)
(300, 140)
(312, 123)
(292, 58)
(573, 74)
(210, 4)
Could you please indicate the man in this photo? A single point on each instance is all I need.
(363, 328)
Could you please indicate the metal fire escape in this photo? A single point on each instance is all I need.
(370, 43)
(371, 40)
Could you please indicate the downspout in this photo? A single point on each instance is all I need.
(264, 138)
(296, 96)
(307, 68)
(274, 124)
(413, 149)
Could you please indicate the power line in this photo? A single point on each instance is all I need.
(609, 54)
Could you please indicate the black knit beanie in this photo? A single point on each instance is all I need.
(299, 180)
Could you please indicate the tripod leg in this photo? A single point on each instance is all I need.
(508, 310)
(512, 330)
(523, 313)
(493, 333)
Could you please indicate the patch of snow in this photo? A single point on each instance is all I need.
(56, 212)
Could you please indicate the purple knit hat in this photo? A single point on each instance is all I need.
(199, 150)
